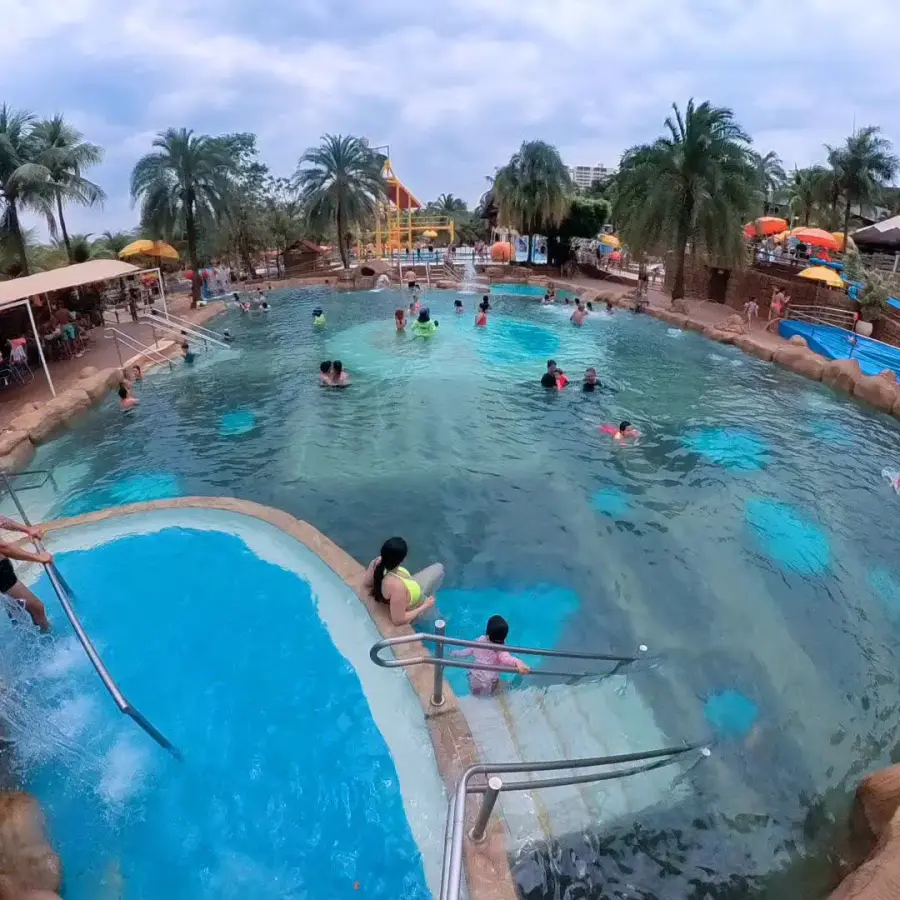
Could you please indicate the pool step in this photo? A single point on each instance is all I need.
(596, 718)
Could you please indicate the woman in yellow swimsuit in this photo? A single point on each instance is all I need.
(407, 596)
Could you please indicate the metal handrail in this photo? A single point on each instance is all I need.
(64, 594)
(48, 476)
(493, 786)
(180, 330)
(440, 662)
(135, 345)
(180, 320)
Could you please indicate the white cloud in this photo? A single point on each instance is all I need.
(453, 87)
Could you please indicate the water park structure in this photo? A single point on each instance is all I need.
(399, 221)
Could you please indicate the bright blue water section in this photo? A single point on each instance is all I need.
(288, 789)
(237, 422)
(788, 537)
(838, 343)
(731, 714)
(736, 539)
(733, 448)
(510, 289)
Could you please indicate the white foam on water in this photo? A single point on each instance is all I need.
(73, 715)
(674, 332)
(717, 357)
(64, 657)
(124, 770)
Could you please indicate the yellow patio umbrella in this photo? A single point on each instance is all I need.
(158, 249)
(839, 237)
(822, 273)
(611, 241)
(429, 234)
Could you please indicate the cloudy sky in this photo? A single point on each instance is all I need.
(453, 87)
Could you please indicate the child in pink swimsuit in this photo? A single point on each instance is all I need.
(484, 681)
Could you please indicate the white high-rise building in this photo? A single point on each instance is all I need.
(585, 176)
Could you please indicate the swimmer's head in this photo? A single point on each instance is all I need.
(325, 367)
(624, 426)
(399, 313)
(123, 392)
(235, 296)
(566, 300)
(337, 367)
(317, 311)
(185, 346)
(497, 630)
(457, 303)
(424, 316)
(591, 375)
(551, 365)
(590, 306)
(578, 302)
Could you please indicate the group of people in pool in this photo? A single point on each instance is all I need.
(255, 301)
(408, 596)
(332, 374)
(556, 379)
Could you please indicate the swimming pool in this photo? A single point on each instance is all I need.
(747, 539)
(511, 289)
(306, 769)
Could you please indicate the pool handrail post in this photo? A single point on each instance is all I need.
(62, 593)
(488, 802)
(437, 696)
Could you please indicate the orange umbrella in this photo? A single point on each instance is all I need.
(764, 226)
(817, 237)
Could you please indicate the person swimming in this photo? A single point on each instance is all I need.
(226, 336)
(481, 317)
(319, 320)
(400, 319)
(547, 301)
(591, 382)
(609, 307)
(458, 306)
(126, 401)
(265, 306)
(425, 326)
(590, 306)
(625, 431)
(406, 596)
(579, 314)
(188, 354)
(339, 378)
(325, 373)
(554, 377)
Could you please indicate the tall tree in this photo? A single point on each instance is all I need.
(770, 177)
(807, 189)
(24, 182)
(62, 150)
(340, 185)
(448, 205)
(114, 242)
(534, 190)
(185, 180)
(696, 183)
(862, 166)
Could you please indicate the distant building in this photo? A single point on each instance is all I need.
(585, 176)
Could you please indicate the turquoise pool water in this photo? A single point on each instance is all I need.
(747, 539)
(288, 788)
(512, 289)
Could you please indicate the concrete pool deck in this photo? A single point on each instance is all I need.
(487, 864)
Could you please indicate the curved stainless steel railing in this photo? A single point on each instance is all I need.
(64, 594)
(440, 661)
(493, 786)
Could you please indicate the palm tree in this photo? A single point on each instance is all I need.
(806, 190)
(447, 205)
(185, 180)
(697, 183)
(533, 191)
(340, 185)
(24, 182)
(862, 167)
(64, 152)
(770, 176)
(114, 242)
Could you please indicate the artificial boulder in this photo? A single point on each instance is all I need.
(97, 385)
(27, 861)
(842, 374)
(733, 324)
(878, 391)
(694, 325)
(18, 456)
(801, 361)
(716, 334)
(87, 372)
(753, 347)
(39, 423)
(681, 306)
(70, 403)
(665, 315)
